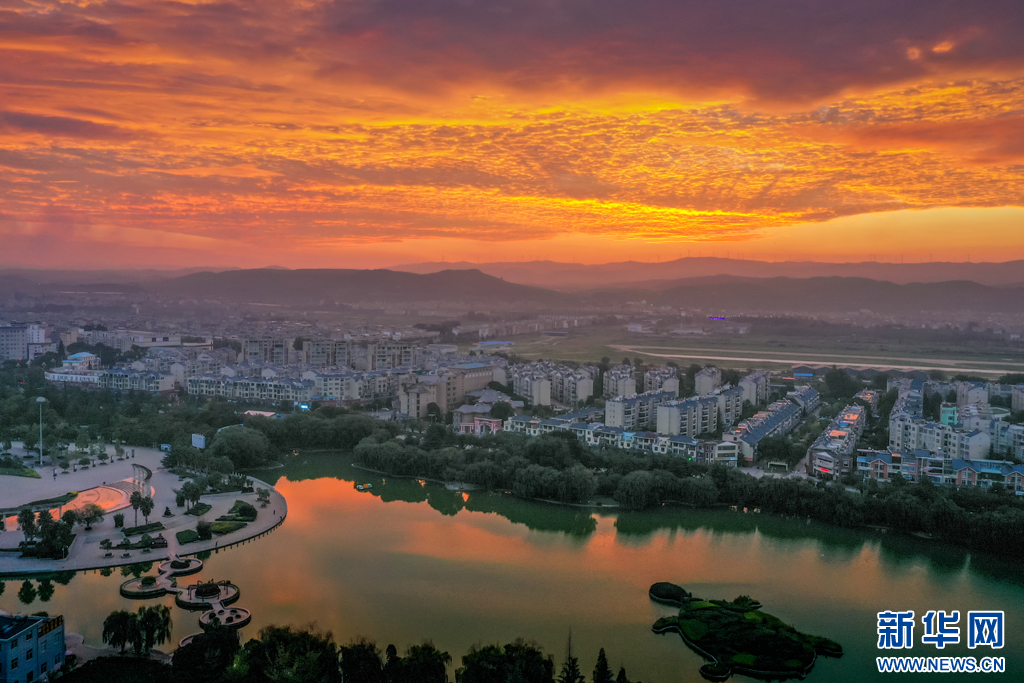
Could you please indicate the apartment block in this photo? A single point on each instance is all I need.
(326, 353)
(779, 418)
(31, 647)
(637, 412)
(707, 380)
(619, 381)
(13, 342)
(661, 379)
(832, 453)
(689, 417)
(756, 386)
(270, 351)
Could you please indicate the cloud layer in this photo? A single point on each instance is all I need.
(323, 124)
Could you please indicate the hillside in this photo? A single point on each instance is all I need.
(575, 276)
(268, 285)
(823, 294)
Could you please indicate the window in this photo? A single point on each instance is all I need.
(14, 664)
(28, 654)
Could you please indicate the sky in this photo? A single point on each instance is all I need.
(368, 133)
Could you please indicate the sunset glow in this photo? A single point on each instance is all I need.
(310, 133)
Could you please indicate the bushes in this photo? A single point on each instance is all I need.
(199, 509)
(143, 529)
(118, 520)
(148, 581)
(240, 512)
(205, 531)
(221, 528)
(187, 536)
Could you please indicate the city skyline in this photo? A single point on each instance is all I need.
(357, 134)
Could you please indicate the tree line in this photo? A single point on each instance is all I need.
(283, 653)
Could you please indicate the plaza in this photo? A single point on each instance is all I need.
(110, 486)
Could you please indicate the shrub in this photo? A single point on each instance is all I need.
(148, 580)
(205, 530)
(187, 536)
(182, 564)
(167, 512)
(143, 529)
(119, 520)
(221, 528)
(179, 500)
(199, 509)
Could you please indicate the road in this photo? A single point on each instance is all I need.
(827, 359)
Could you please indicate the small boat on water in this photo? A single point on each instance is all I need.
(364, 487)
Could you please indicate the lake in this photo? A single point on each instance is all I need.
(413, 561)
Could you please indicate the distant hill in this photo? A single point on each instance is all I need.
(821, 294)
(41, 276)
(272, 285)
(575, 276)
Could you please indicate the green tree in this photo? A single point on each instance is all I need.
(840, 384)
(283, 654)
(119, 628)
(502, 410)
(90, 514)
(361, 661)
(27, 522)
(146, 507)
(425, 664)
(570, 667)
(207, 657)
(154, 625)
(245, 447)
(602, 674)
(136, 502)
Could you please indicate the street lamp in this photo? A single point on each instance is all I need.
(40, 401)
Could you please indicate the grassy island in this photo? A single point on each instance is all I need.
(737, 637)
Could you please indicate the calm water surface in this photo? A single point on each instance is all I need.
(414, 561)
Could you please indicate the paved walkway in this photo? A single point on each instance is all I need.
(86, 553)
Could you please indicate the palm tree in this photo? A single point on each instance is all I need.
(118, 628)
(136, 501)
(146, 506)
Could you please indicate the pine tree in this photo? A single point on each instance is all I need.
(602, 674)
(571, 667)
(622, 676)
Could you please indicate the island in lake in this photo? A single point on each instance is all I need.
(737, 637)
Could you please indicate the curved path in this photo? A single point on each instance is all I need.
(86, 552)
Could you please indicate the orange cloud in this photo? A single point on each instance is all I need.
(319, 126)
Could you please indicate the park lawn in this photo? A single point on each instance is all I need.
(221, 528)
(199, 509)
(19, 472)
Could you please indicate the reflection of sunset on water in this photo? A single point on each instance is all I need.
(408, 561)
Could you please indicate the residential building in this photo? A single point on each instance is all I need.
(1017, 398)
(832, 453)
(270, 351)
(122, 379)
(31, 647)
(689, 417)
(619, 381)
(13, 342)
(806, 397)
(756, 386)
(730, 404)
(777, 419)
(637, 412)
(661, 379)
(912, 433)
(707, 380)
(388, 355)
(326, 353)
